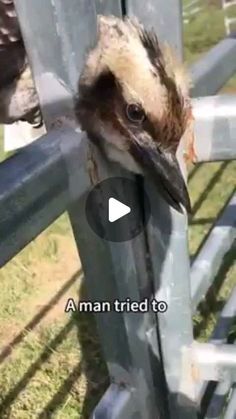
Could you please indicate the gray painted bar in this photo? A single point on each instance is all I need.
(211, 72)
(34, 188)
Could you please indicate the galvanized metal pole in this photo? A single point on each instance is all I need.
(209, 259)
(214, 362)
(212, 70)
(164, 17)
(230, 410)
(167, 238)
(219, 336)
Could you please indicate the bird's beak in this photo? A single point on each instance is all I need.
(164, 168)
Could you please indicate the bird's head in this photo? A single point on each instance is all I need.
(133, 101)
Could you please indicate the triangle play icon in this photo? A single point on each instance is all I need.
(117, 210)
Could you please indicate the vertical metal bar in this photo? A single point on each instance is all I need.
(163, 16)
(217, 403)
(215, 362)
(167, 235)
(108, 7)
(208, 261)
(230, 412)
(57, 52)
(118, 270)
(167, 238)
(112, 270)
(219, 336)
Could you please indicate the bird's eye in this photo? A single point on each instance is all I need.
(135, 113)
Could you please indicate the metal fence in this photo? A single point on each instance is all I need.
(156, 368)
(230, 22)
(191, 9)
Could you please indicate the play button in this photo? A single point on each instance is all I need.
(118, 209)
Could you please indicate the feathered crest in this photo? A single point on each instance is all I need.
(151, 44)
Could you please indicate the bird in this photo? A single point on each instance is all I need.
(18, 96)
(132, 100)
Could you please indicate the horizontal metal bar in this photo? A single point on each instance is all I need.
(231, 408)
(190, 4)
(35, 189)
(117, 403)
(209, 259)
(217, 403)
(214, 362)
(226, 319)
(191, 12)
(215, 128)
(219, 336)
(228, 4)
(213, 70)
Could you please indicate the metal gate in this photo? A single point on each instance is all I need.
(156, 368)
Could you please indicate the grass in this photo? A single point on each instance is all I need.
(203, 31)
(50, 362)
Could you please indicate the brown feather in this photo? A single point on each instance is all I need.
(18, 96)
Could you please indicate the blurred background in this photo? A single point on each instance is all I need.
(50, 362)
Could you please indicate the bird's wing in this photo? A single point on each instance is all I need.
(18, 97)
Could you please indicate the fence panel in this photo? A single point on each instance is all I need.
(132, 359)
(136, 345)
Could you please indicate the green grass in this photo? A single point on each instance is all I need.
(55, 368)
(203, 31)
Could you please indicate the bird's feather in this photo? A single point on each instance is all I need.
(18, 96)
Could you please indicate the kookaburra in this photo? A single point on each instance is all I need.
(18, 97)
(133, 102)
